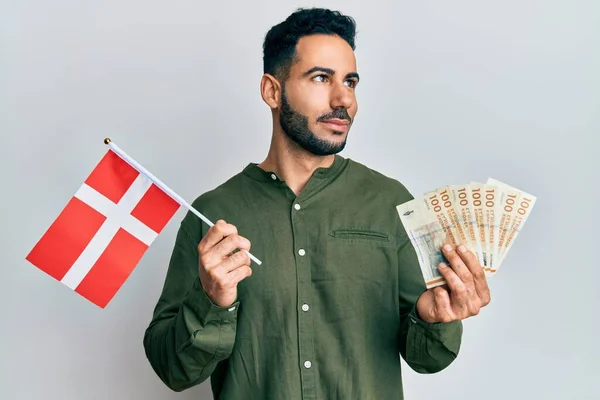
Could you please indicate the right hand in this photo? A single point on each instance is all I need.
(220, 271)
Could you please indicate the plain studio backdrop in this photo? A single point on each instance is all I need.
(451, 92)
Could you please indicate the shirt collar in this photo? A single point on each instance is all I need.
(253, 171)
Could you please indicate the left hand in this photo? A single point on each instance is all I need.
(466, 293)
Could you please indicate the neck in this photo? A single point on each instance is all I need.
(292, 163)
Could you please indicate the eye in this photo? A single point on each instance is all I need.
(320, 76)
(352, 83)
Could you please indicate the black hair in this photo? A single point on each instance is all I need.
(279, 47)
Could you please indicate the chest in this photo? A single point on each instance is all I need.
(328, 251)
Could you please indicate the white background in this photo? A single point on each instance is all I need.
(451, 92)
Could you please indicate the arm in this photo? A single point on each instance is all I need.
(188, 334)
(426, 347)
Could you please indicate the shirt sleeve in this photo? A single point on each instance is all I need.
(426, 347)
(188, 334)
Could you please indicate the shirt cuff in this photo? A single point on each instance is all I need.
(198, 301)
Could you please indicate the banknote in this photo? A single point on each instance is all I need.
(481, 221)
(519, 211)
(451, 214)
(492, 206)
(425, 228)
(485, 217)
(507, 215)
(463, 204)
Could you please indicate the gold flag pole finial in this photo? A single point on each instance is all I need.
(107, 140)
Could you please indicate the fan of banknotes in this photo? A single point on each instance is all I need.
(485, 217)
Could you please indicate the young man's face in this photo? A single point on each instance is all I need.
(318, 99)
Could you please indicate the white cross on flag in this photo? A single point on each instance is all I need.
(104, 230)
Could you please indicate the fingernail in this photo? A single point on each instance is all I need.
(447, 247)
(442, 265)
(462, 248)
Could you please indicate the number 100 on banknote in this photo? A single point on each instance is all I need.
(485, 217)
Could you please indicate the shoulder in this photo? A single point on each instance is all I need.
(370, 179)
(211, 204)
(222, 193)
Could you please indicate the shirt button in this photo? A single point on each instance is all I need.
(297, 206)
(301, 252)
(307, 364)
(274, 176)
(305, 307)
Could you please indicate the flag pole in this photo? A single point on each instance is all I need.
(164, 187)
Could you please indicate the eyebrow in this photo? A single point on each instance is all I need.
(331, 72)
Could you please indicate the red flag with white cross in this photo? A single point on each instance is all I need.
(104, 230)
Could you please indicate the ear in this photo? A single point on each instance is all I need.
(270, 90)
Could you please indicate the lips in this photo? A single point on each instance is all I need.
(338, 125)
(336, 121)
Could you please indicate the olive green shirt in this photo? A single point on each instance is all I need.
(328, 313)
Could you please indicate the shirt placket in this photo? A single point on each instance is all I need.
(305, 319)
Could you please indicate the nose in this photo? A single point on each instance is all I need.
(342, 96)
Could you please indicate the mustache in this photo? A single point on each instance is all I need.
(339, 113)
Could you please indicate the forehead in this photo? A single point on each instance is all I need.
(328, 51)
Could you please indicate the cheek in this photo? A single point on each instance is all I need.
(312, 100)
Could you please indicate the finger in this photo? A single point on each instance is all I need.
(458, 289)
(443, 309)
(477, 272)
(215, 234)
(235, 261)
(224, 249)
(239, 274)
(457, 264)
(228, 246)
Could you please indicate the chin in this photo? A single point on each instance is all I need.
(329, 133)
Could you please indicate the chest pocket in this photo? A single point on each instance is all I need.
(354, 272)
(361, 236)
(355, 255)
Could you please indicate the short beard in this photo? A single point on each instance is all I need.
(295, 126)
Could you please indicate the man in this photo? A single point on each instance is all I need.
(339, 296)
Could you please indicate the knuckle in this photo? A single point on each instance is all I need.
(465, 276)
(438, 293)
(213, 275)
(487, 299)
(218, 226)
(241, 257)
(240, 241)
(479, 274)
(247, 259)
(245, 243)
(439, 298)
(221, 283)
(460, 295)
(243, 273)
(204, 260)
(230, 282)
(454, 281)
(232, 229)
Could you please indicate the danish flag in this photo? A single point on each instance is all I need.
(104, 230)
